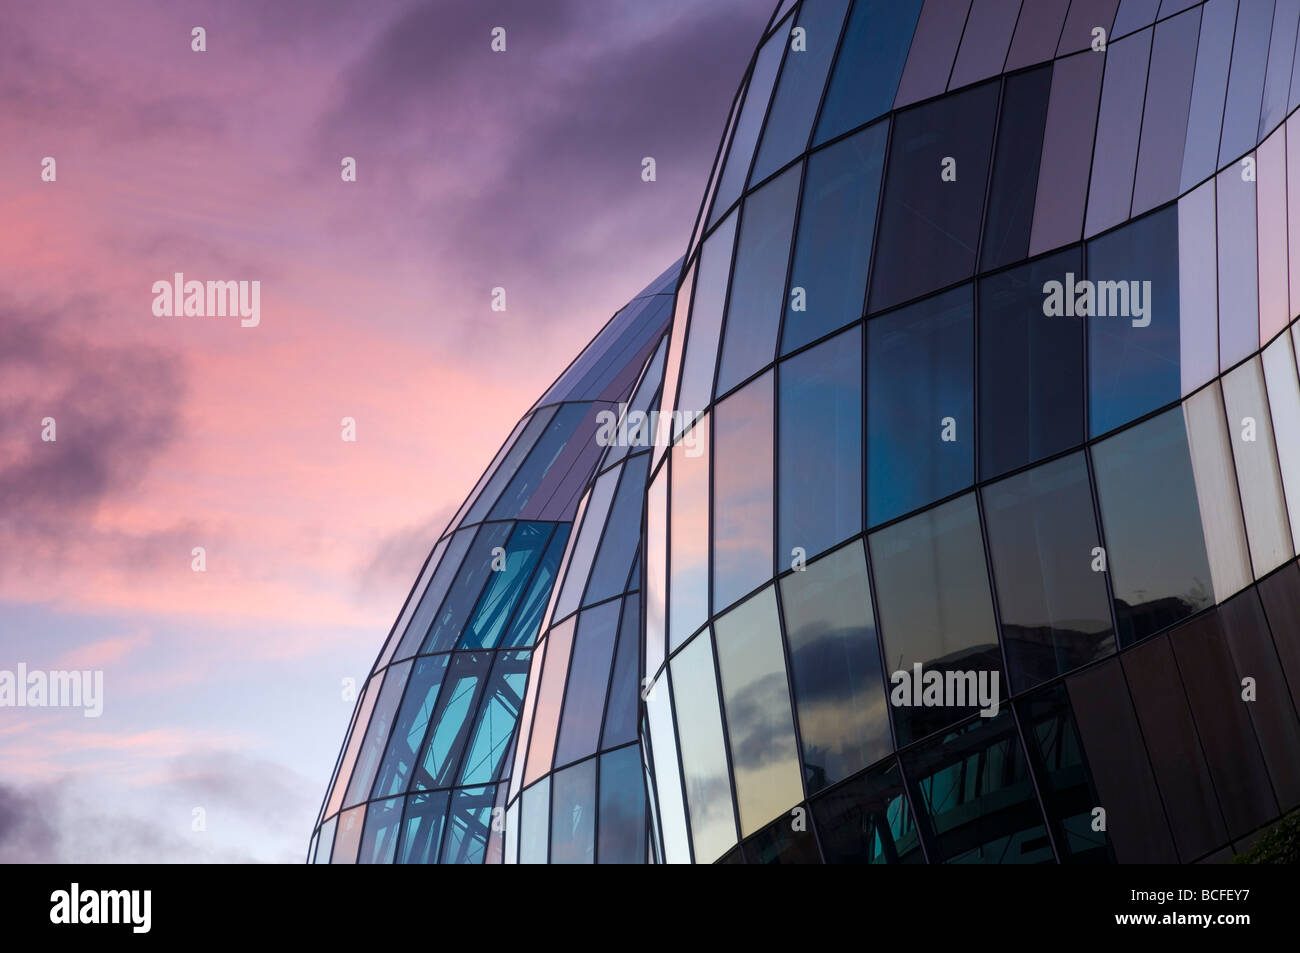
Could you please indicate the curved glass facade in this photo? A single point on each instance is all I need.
(962, 513)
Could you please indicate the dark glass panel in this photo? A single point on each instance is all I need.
(785, 841)
(452, 720)
(1031, 367)
(985, 41)
(1037, 32)
(1164, 118)
(620, 714)
(1150, 519)
(422, 827)
(868, 820)
(468, 826)
(523, 627)
(1067, 152)
(1010, 213)
(920, 404)
(1280, 594)
(621, 839)
(933, 51)
(930, 220)
(835, 667)
(1042, 537)
(474, 573)
(497, 718)
(411, 723)
(506, 586)
(1114, 156)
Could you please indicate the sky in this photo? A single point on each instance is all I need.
(223, 689)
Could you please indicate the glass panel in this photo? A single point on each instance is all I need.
(595, 519)
(588, 678)
(672, 370)
(1251, 427)
(1114, 156)
(512, 834)
(1120, 770)
(394, 681)
(510, 464)
(356, 733)
(505, 586)
(537, 468)
(518, 753)
(829, 277)
(742, 491)
(760, 725)
(758, 281)
(1037, 32)
(976, 797)
(422, 827)
(794, 107)
(835, 667)
(933, 50)
(432, 598)
(782, 842)
(819, 477)
(656, 571)
(534, 822)
(932, 591)
(1246, 80)
(1085, 16)
(326, 842)
(706, 324)
(1213, 53)
(622, 808)
(1284, 402)
(528, 617)
(868, 820)
(1293, 207)
(688, 597)
(1216, 492)
(1051, 592)
(920, 404)
(1010, 212)
(1238, 268)
(1133, 327)
(1031, 367)
(667, 774)
(1277, 80)
(704, 753)
(985, 41)
(624, 691)
(934, 195)
(1223, 725)
(498, 715)
(573, 815)
(1064, 780)
(1067, 151)
(468, 826)
(870, 63)
(550, 693)
(748, 125)
(1270, 218)
(1198, 289)
(1164, 118)
(413, 601)
(348, 837)
(474, 573)
(452, 720)
(1280, 594)
(1151, 522)
(1133, 15)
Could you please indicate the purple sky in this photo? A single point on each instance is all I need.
(475, 170)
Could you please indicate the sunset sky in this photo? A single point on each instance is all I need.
(474, 170)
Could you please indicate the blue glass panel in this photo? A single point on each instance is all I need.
(609, 575)
(422, 827)
(1133, 352)
(474, 574)
(584, 700)
(573, 814)
(411, 724)
(535, 822)
(1009, 218)
(506, 586)
(1205, 118)
(1246, 79)
(379, 839)
(706, 324)
(1277, 80)
(621, 838)
(742, 491)
(431, 600)
(376, 738)
(833, 250)
(468, 826)
(549, 449)
(497, 717)
(794, 107)
(624, 697)
(743, 140)
(820, 446)
(920, 404)
(870, 63)
(451, 722)
(523, 627)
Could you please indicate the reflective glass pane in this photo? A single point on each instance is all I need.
(656, 571)
(410, 725)
(760, 725)
(667, 773)
(622, 535)
(1010, 212)
(1270, 220)
(468, 826)
(1151, 523)
(1114, 156)
(1051, 589)
(704, 752)
(706, 325)
(497, 717)
(934, 195)
(347, 839)
(1238, 267)
(835, 667)
(1198, 289)
(1216, 491)
(1164, 117)
(550, 693)
(1038, 30)
(431, 599)
(584, 704)
(473, 575)
(1067, 151)
(870, 63)
(1205, 118)
(535, 823)
(742, 491)
(452, 720)
(933, 50)
(1031, 367)
(935, 610)
(573, 814)
(621, 839)
(833, 249)
(1246, 79)
(820, 446)
(621, 712)
(422, 827)
(984, 41)
(1284, 404)
(868, 821)
(748, 125)
(920, 404)
(506, 586)
(1133, 325)
(688, 595)
(372, 749)
(528, 616)
(782, 842)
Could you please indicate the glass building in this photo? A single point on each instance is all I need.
(981, 364)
